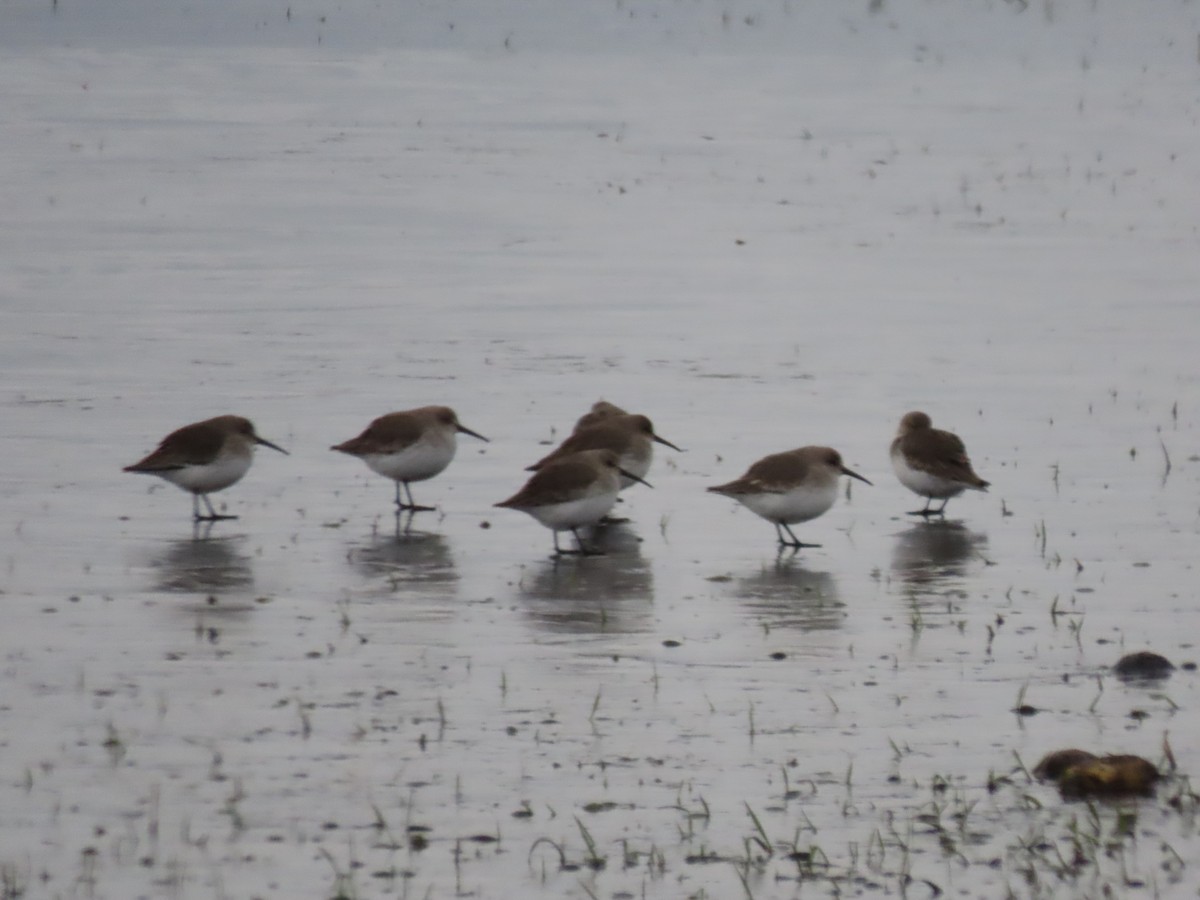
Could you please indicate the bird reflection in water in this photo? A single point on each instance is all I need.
(785, 594)
(204, 564)
(931, 554)
(406, 557)
(609, 594)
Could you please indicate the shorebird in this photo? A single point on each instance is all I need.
(631, 437)
(205, 457)
(572, 492)
(408, 446)
(932, 463)
(600, 411)
(790, 487)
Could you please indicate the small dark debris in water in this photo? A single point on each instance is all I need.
(418, 842)
(995, 782)
(510, 730)
(1188, 667)
(1138, 715)
(483, 839)
(212, 600)
(330, 826)
(1143, 666)
(671, 643)
(1026, 710)
(778, 654)
(389, 874)
(1081, 775)
(525, 812)
(719, 579)
(74, 598)
(599, 806)
(1141, 565)
(485, 524)
(693, 858)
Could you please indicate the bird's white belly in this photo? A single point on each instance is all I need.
(574, 513)
(420, 461)
(922, 483)
(214, 476)
(791, 507)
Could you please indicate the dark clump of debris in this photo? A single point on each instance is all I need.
(1143, 666)
(1081, 775)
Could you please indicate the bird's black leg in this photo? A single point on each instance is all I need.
(781, 527)
(411, 503)
(585, 549)
(926, 511)
(213, 515)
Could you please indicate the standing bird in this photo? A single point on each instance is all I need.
(631, 437)
(600, 411)
(409, 446)
(572, 492)
(931, 463)
(791, 487)
(205, 457)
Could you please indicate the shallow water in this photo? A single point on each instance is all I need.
(781, 228)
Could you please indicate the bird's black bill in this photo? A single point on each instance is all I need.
(846, 471)
(475, 434)
(267, 443)
(665, 442)
(633, 477)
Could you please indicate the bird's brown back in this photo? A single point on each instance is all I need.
(771, 474)
(614, 433)
(938, 453)
(562, 480)
(600, 411)
(197, 444)
(391, 433)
